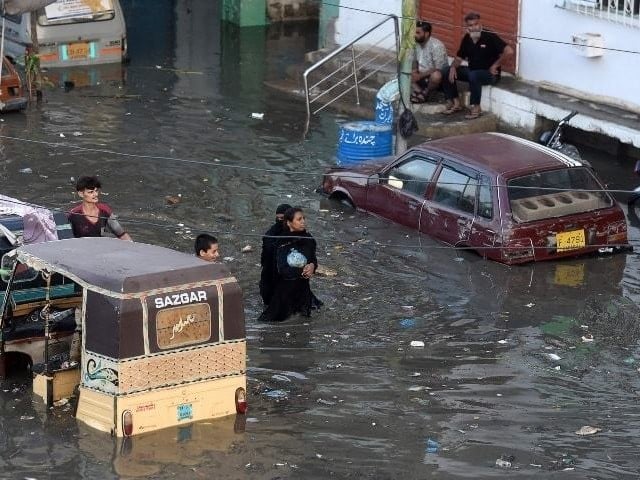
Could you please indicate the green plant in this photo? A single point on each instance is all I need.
(32, 72)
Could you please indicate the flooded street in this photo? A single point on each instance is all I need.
(505, 373)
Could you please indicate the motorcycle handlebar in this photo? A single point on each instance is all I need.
(569, 117)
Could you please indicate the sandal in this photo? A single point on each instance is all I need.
(452, 109)
(418, 97)
(473, 114)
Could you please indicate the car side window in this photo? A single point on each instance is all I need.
(456, 189)
(413, 175)
(485, 198)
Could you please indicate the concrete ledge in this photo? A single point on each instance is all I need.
(523, 112)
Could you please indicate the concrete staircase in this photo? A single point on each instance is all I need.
(375, 68)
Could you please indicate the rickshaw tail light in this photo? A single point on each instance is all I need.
(127, 423)
(241, 401)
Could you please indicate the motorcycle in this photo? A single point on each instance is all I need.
(635, 195)
(554, 139)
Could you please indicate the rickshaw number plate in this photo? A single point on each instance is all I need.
(570, 240)
(78, 50)
(185, 411)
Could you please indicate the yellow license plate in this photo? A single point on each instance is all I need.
(570, 240)
(569, 275)
(77, 50)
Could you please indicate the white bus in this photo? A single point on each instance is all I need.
(76, 32)
(17, 36)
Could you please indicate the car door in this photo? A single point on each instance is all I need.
(486, 225)
(399, 192)
(450, 212)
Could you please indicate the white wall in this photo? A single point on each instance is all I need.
(613, 75)
(353, 23)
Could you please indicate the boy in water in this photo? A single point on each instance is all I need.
(207, 247)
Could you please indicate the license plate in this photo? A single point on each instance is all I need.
(77, 51)
(185, 411)
(570, 240)
(569, 275)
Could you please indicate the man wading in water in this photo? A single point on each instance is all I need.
(90, 217)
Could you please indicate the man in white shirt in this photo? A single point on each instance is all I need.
(429, 61)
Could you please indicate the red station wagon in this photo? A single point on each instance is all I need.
(510, 199)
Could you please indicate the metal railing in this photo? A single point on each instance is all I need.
(619, 11)
(319, 90)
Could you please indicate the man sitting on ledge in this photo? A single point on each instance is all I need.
(484, 51)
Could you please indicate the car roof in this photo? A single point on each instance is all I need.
(119, 266)
(499, 153)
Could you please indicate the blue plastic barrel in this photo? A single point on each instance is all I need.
(384, 112)
(364, 140)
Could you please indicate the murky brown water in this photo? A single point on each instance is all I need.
(343, 395)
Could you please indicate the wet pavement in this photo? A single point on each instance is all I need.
(504, 381)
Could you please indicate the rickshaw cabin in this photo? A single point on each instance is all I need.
(154, 321)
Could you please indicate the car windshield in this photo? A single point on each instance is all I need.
(555, 193)
(75, 11)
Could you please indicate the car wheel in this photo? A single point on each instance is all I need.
(342, 201)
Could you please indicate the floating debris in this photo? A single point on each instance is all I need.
(257, 116)
(432, 446)
(417, 343)
(588, 430)
(277, 394)
(247, 249)
(408, 322)
(417, 388)
(326, 271)
(505, 461)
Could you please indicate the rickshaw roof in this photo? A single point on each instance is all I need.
(117, 265)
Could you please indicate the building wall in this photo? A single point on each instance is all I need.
(283, 10)
(500, 16)
(352, 23)
(611, 76)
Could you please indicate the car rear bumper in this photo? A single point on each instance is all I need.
(13, 104)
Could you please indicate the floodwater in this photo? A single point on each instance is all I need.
(504, 373)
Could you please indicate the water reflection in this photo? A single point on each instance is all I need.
(357, 399)
(149, 454)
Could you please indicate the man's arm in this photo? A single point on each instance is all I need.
(506, 53)
(457, 61)
(453, 74)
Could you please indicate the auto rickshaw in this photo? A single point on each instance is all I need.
(162, 336)
(22, 333)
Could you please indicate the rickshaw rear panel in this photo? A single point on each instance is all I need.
(163, 334)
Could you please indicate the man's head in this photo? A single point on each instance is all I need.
(283, 207)
(88, 188)
(473, 25)
(423, 31)
(207, 247)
